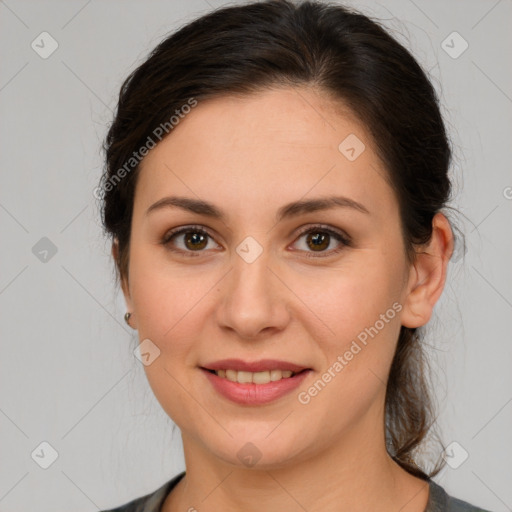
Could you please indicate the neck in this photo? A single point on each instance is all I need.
(355, 474)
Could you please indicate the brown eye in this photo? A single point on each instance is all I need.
(318, 241)
(195, 241)
(321, 240)
(188, 240)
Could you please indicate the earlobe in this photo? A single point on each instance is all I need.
(428, 274)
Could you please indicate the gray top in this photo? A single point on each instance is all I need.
(438, 501)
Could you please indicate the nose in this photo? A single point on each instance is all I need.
(254, 301)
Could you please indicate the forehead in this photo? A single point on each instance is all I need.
(253, 150)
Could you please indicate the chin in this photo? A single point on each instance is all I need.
(252, 450)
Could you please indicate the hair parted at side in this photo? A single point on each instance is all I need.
(245, 49)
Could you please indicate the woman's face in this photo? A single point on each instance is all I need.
(270, 278)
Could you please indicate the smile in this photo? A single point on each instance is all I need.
(263, 377)
(254, 388)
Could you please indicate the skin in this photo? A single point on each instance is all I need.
(249, 156)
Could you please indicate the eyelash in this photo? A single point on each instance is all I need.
(339, 236)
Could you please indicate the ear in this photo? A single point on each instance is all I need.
(124, 282)
(427, 275)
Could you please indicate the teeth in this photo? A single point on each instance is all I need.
(256, 377)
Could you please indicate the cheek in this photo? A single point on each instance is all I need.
(349, 299)
(362, 309)
(162, 295)
(168, 306)
(360, 305)
(170, 313)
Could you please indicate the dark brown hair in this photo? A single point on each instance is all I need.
(345, 55)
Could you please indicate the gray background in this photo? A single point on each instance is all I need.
(68, 375)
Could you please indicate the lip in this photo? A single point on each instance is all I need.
(254, 394)
(255, 366)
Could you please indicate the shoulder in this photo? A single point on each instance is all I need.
(440, 501)
(151, 502)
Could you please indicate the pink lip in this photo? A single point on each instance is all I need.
(255, 366)
(254, 394)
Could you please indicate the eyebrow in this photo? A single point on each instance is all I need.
(285, 212)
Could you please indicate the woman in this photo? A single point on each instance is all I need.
(276, 175)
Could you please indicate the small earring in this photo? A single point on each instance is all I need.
(127, 318)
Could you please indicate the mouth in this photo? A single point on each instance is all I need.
(263, 377)
(254, 383)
